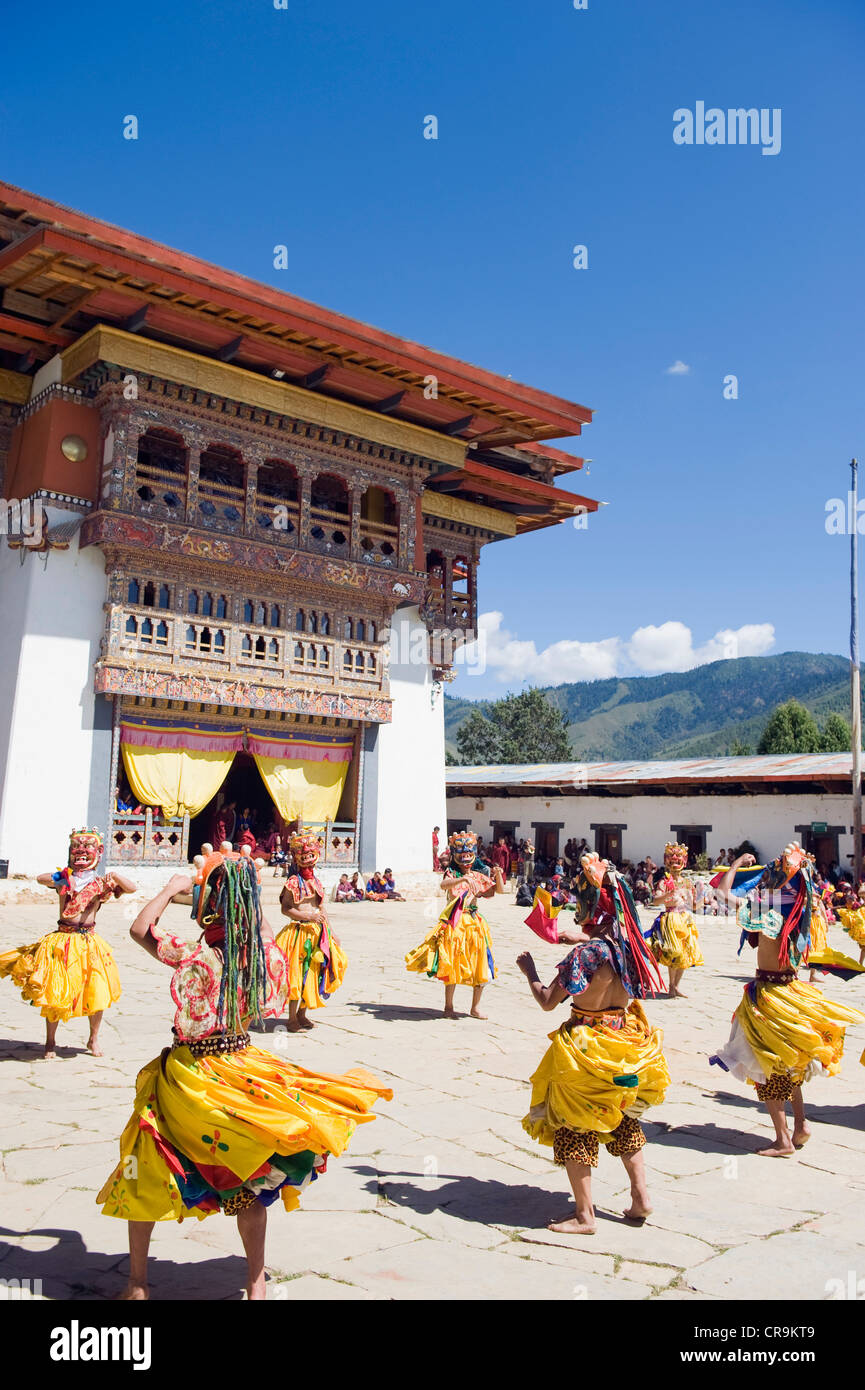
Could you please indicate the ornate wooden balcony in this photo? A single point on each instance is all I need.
(158, 639)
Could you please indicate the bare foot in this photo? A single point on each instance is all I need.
(777, 1151)
(134, 1293)
(573, 1227)
(94, 1049)
(293, 1026)
(449, 1013)
(257, 1292)
(801, 1136)
(49, 1055)
(303, 1023)
(637, 1212)
(677, 994)
(475, 1013)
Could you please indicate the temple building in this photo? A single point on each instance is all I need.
(242, 537)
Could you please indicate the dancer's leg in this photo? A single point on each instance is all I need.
(252, 1225)
(582, 1223)
(477, 991)
(139, 1245)
(92, 1042)
(50, 1037)
(801, 1127)
(449, 1011)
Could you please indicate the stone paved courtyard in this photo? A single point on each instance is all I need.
(444, 1195)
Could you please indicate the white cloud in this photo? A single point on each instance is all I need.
(649, 650)
(679, 368)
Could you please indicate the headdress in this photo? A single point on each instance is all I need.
(228, 907)
(463, 842)
(604, 899)
(676, 855)
(788, 883)
(86, 839)
(304, 844)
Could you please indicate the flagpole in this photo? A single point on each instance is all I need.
(855, 701)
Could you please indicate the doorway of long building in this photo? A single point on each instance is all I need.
(243, 791)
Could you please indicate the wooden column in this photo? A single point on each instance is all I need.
(354, 533)
(193, 464)
(305, 482)
(252, 464)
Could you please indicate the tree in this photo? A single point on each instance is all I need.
(524, 728)
(836, 735)
(790, 728)
(738, 749)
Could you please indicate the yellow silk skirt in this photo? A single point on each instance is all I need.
(819, 930)
(593, 1074)
(66, 974)
(853, 923)
(675, 942)
(791, 1028)
(312, 980)
(204, 1129)
(456, 952)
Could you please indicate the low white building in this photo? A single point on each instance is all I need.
(626, 810)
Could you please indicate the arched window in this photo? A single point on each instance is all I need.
(259, 649)
(219, 642)
(360, 630)
(358, 661)
(131, 627)
(192, 601)
(246, 645)
(329, 493)
(272, 649)
(221, 607)
(299, 621)
(275, 617)
(164, 596)
(323, 656)
(207, 605)
(312, 622)
(133, 591)
(298, 651)
(347, 661)
(161, 634)
(248, 611)
(190, 637)
(325, 624)
(347, 630)
(204, 640)
(149, 598)
(147, 630)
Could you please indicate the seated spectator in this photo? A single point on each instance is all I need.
(344, 890)
(356, 887)
(444, 861)
(390, 887)
(376, 892)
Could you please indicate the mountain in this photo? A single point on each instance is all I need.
(685, 714)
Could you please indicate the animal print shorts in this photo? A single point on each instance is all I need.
(780, 1086)
(582, 1145)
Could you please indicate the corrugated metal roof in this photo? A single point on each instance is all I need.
(773, 767)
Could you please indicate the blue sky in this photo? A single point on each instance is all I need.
(303, 126)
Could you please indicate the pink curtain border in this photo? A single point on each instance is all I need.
(300, 752)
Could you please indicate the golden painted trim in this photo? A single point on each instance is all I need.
(15, 387)
(469, 513)
(103, 344)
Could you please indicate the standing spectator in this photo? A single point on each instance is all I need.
(501, 857)
(529, 861)
(435, 847)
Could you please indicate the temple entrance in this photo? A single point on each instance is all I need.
(244, 789)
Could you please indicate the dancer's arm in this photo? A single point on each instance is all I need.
(149, 915)
(726, 884)
(49, 881)
(548, 996)
(120, 883)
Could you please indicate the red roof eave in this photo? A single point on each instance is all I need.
(139, 256)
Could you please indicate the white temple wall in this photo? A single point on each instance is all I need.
(768, 821)
(403, 783)
(54, 746)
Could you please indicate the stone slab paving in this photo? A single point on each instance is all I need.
(444, 1195)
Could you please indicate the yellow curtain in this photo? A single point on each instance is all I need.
(309, 789)
(181, 780)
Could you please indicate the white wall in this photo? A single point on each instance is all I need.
(404, 791)
(769, 822)
(50, 777)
